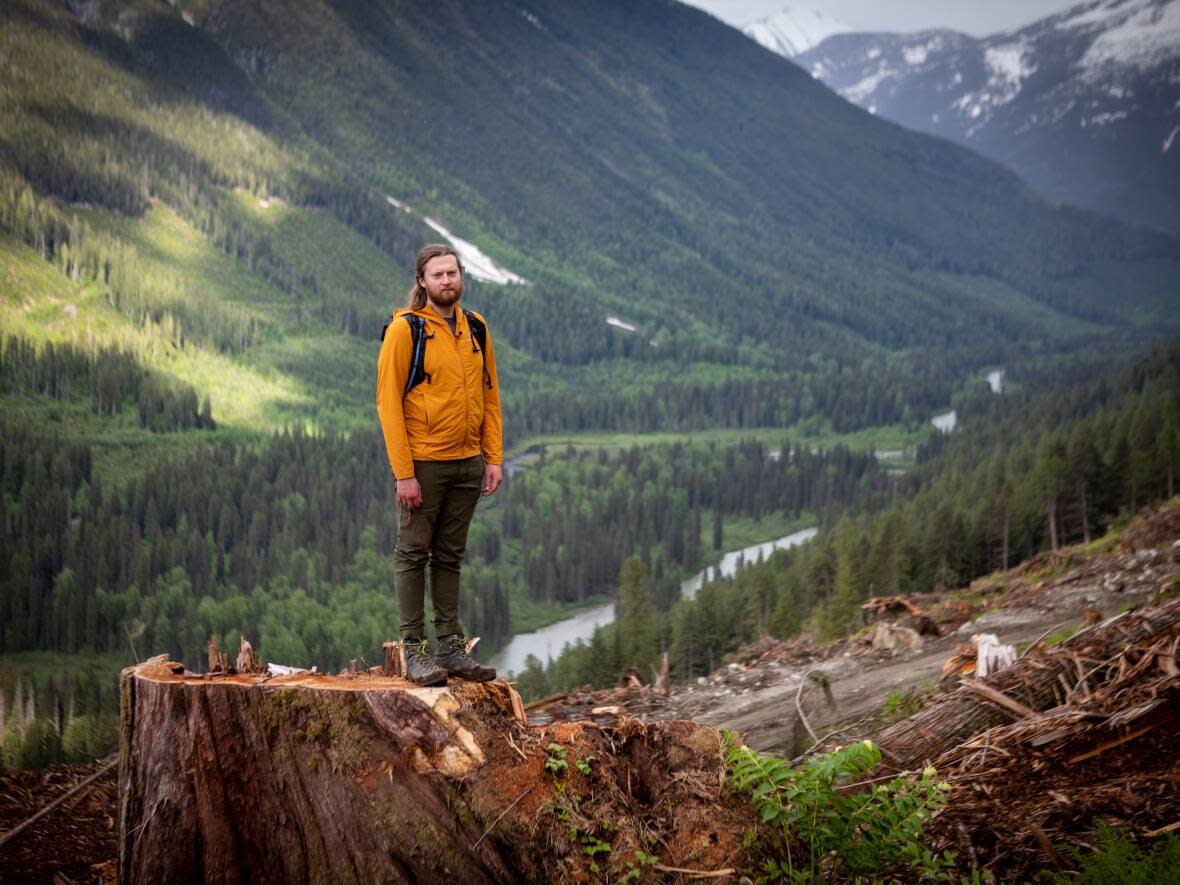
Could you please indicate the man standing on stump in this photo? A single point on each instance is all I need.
(438, 399)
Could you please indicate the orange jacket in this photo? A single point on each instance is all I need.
(456, 413)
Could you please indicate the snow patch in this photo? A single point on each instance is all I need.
(621, 324)
(474, 260)
(1168, 141)
(874, 53)
(945, 422)
(533, 20)
(1141, 34)
(1105, 119)
(794, 30)
(861, 90)
(1009, 68)
(914, 55)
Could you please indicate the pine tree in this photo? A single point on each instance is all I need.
(636, 620)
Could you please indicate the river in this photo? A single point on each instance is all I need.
(548, 642)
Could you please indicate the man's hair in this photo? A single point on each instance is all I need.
(417, 297)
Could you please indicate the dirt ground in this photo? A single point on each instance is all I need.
(74, 843)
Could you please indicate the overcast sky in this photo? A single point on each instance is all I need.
(977, 17)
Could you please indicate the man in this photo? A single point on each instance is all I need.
(442, 434)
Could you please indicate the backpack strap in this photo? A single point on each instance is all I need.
(479, 335)
(418, 338)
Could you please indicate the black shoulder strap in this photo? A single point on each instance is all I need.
(418, 338)
(479, 332)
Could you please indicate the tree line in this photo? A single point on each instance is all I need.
(112, 378)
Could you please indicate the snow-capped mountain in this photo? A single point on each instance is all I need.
(1085, 104)
(793, 30)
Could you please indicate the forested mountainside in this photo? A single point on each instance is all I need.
(256, 191)
(1083, 104)
(1022, 474)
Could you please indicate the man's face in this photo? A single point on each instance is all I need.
(442, 280)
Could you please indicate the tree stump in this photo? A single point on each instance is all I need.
(368, 778)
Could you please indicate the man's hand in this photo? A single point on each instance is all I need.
(493, 475)
(409, 493)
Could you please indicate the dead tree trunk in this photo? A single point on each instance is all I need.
(1034, 683)
(367, 778)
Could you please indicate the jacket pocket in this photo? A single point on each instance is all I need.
(417, 415)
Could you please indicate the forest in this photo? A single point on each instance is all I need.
(1025, 472)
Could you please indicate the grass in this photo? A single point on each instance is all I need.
(314, 242)
(888, 438)
(739, 532)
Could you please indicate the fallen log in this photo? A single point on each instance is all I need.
(364, 778)
(1035, 683)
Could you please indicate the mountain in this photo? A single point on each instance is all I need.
(1084, 104)
(248, 183)
(791, 30)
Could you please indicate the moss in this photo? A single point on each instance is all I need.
(333, 725)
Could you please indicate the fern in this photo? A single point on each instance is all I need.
(1117, 859)
(863, 831)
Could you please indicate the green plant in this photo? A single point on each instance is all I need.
(862, 831)
(555, 759)
(637, 867)
(583, 765)
(1118, 859)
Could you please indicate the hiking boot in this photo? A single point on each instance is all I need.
(452, 655)
(420, 666)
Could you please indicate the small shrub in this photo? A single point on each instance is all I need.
(555, 760)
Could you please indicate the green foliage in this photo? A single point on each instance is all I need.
(1117, 859)
(863, 832)
(556, 762)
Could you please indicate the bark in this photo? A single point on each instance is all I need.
(1034, 681)
(367, 778)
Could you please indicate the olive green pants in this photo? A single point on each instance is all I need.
(433, 537)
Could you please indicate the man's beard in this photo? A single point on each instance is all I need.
(445, 297)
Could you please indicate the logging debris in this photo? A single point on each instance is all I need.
(74, 843)
(1107, 751)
